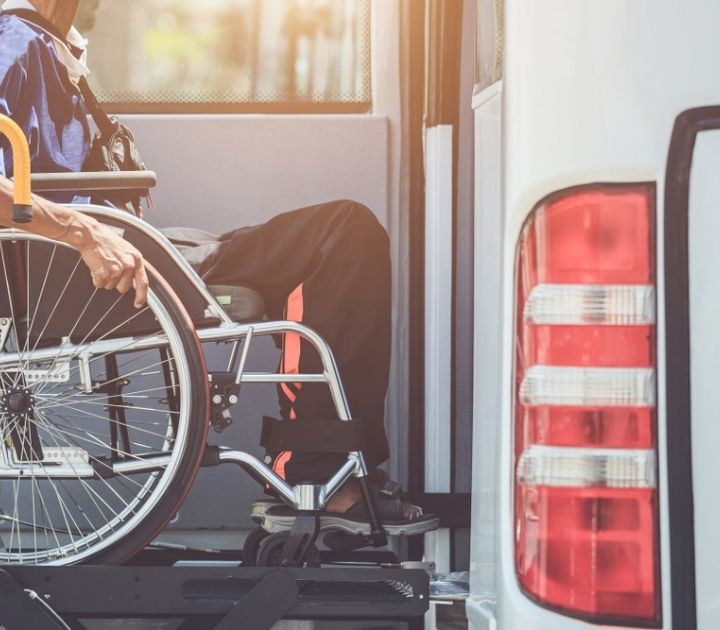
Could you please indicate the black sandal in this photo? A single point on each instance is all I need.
(389, 505)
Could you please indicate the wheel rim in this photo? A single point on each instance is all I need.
(271, 549)
(252, 546)
(103, 402)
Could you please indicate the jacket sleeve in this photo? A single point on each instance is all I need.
(13, 80)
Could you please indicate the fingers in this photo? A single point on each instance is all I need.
(141, 285)
(115, 272)
(122, 276)
(132, 273)
(110, 275)
(116, 264)
(100, 276)
(411, 512)
(125, 282)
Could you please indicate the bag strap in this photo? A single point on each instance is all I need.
(105, 124)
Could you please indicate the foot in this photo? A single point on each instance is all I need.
(350, 494)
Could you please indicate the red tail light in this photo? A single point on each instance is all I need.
(585, 428)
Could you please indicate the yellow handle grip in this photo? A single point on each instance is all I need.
(22, 198)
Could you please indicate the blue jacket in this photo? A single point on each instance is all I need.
(36, 93)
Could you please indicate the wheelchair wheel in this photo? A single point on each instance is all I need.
(271, 550)
(103, 409)
(252, 546)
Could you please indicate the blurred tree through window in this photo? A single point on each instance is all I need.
(232, 55)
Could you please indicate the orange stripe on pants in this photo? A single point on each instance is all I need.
(290, 364)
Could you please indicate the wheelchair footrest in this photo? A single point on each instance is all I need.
(280, 518)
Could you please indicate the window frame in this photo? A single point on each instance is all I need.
(489, 40)
(250, 107)
(289, 106)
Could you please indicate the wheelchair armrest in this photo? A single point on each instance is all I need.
(88, 182)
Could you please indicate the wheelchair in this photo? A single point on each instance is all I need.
(106, 408)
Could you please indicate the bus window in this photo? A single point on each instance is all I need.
(489, 43)
(173, 56)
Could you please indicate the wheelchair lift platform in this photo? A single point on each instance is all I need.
(209, 594)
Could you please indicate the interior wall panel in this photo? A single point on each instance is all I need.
(223, 172)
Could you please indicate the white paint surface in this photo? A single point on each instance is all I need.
(704, 227)
(591, 91)
(438, 306)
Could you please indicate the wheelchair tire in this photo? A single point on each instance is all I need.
(271, 550)
(252, 546)
(85, 405)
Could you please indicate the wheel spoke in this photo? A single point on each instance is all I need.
(101, 338)
(106, 419)
(67, 502)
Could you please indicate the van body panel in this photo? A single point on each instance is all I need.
(590, 94)
(487, 403)
(704, 228)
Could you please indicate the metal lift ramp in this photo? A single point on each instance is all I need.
(206, 596)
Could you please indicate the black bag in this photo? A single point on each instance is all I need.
(113, 149)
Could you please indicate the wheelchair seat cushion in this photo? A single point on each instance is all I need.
(241, 303)
(197, 245)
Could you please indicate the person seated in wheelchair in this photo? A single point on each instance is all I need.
(327, 266)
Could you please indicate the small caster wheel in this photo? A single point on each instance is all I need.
(252, 546)
(271, 549)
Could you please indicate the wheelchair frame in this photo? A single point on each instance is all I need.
(307, 499)
(302, 497)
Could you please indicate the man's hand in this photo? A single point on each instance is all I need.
(114, 263)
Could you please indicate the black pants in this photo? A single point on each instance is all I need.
(327, 266)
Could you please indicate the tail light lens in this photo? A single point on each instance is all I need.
(585, 422)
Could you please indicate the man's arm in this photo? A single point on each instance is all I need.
(113, 262)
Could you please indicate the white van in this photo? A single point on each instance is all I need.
(592, 505)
